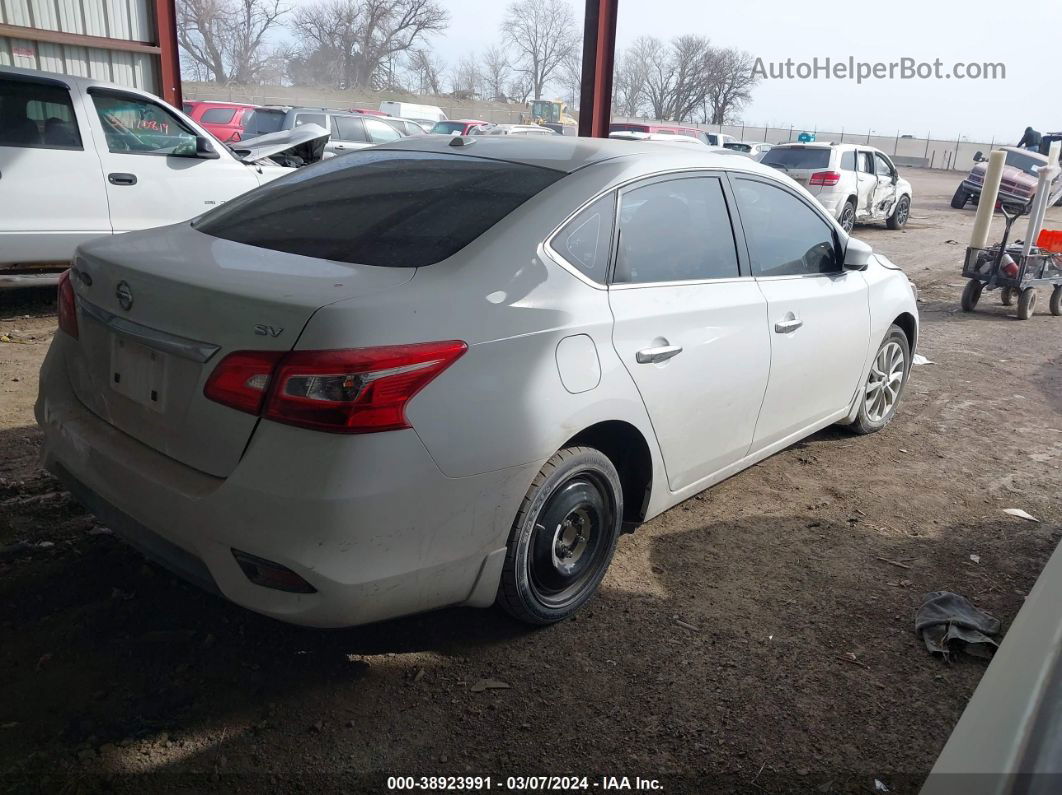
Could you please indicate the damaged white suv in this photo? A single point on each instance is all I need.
(856, 184)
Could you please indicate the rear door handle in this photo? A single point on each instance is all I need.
(654, 355)
(119, 178)
(787, 325)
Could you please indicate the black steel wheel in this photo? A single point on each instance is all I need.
(971, 294)
(563, 538)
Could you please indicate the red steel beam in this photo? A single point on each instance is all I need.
(169, 57)
(77, 39)
(599, 58)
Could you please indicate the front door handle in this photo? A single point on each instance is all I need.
(655, 355)
(788, 324)
(118, 178)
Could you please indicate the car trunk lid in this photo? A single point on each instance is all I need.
(160, 309)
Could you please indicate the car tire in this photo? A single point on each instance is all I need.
(1056, 301)
(958, 201)
(847, 217)
(563, 538)
(971, 294)
(1006, 296)
(1027, 303)
(899, 215)
(885, 383)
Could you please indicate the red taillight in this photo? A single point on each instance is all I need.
(361, 390)
(825, 178)
(241, 379)
(67, 306)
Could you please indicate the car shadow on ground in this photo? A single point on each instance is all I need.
(112, 667)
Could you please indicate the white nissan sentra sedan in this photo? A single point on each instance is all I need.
(454, 371)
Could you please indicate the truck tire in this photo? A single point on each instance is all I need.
(958, 201)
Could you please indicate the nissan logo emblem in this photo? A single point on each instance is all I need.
(124, 295)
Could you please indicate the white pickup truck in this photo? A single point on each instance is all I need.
(80, 158)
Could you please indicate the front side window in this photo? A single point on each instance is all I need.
(218, 116)
(676, 230)
(586, 241)
(379, 207)
(380, 132)
(883, 166)
(37, 115)
(138, 126)
(347, 128)
(785, 236)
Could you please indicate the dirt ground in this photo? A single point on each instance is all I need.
(756, 638)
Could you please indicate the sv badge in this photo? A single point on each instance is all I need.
(268, 331)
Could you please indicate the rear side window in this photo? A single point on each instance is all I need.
(675, 231)
(261, 121)
(585, 241)
(347, 128)
(37, 115)
(848, 161)
(802, 158)
(785, 237)
(392, 209)
(311, 118)
(218, 115)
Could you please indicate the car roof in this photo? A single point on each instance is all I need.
(72, 81)
(1021, 151)
(569, 153)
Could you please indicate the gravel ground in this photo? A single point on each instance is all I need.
(758, 637)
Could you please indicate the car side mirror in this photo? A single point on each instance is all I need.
(979, 157)
(857, 255)
(204, 150)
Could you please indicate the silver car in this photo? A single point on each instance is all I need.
(454, 370)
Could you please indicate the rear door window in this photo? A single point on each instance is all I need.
(37, 115)
(866, 163)
(677, 230)
(377, 207)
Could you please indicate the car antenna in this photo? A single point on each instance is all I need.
(460, 140)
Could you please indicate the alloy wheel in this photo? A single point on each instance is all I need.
(886, 378)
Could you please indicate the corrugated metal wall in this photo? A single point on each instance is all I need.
(132, 20)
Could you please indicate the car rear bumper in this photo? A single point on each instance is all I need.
(369, 521)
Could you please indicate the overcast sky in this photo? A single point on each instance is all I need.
(976, 30)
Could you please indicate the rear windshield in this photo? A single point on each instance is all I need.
(446, 127)
(378, 207)
(737, 147)
(628, 128)
(797, 158)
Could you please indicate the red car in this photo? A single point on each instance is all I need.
(226, 121)
(674, 129)
(456, 126)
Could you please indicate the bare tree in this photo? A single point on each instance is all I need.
(544, 33)
(571, 76)
(466, 79)
(495, 70)
(731, 84)
(426, 71)
(358, 38)
(629, 84)
(225, 40)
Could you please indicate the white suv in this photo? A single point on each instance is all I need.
(855, 183)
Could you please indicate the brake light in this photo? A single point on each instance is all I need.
(825, 178)
(241, 379)
(360, 390)
(67, 306)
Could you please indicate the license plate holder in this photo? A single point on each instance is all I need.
(139, 373)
